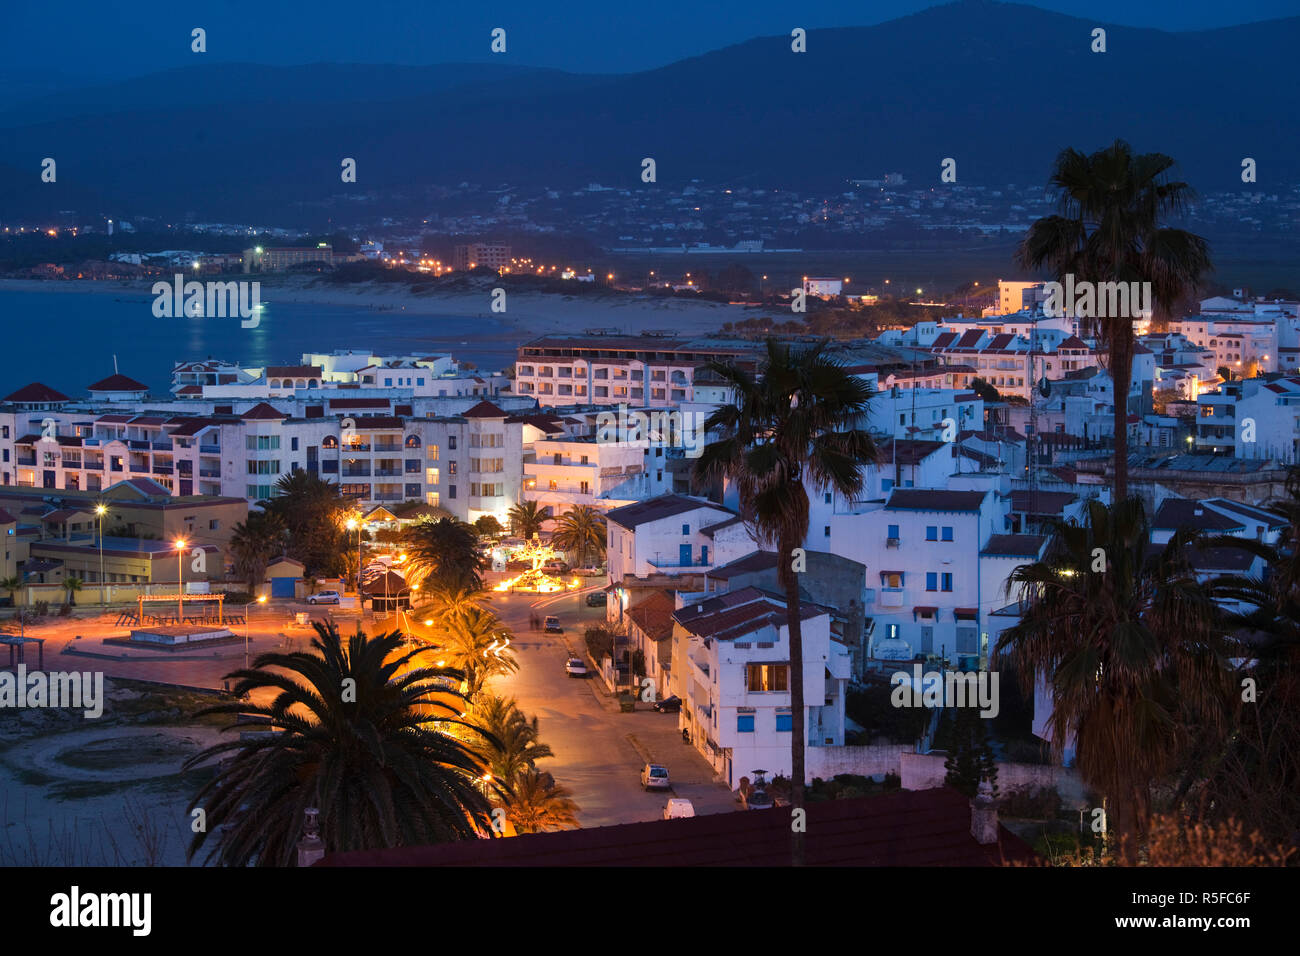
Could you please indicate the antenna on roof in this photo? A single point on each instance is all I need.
(114, 364)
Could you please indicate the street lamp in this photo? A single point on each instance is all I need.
(180, 580)
(248, 623)
(100, 510)
(354, 525)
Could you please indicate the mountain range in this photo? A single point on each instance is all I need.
(999, 87)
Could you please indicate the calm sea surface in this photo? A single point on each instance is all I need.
(68, 340)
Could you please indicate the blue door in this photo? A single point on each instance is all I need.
(684, 555)
(283, 587)
(704, 554)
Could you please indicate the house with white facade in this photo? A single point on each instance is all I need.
(732, 669)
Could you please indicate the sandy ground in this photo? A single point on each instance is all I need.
(530, 312)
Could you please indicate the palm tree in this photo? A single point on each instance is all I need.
(444, 555)
(797, 419)
(581, 530)
(254, 542)
(1113, 204)
(476, 645)
(526, 519)
(449, 605)
(512, 741)
(535, 803)
(12, 584)
(312, 510)
(1128, 645)
(366, 740)
(72, 586)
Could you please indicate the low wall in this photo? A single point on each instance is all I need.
(926, 771)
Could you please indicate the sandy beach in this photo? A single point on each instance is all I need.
(528, 313)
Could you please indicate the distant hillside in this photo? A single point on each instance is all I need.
(999, 87)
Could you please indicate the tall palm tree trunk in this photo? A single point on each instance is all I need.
(798, 732)
(1121, 375)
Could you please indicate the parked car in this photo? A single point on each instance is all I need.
(669, 705)
(575, 667)
(552, 625)
(591, 571)
(678, 807)
(596, 599)
(555, 567)
(757, 798)
(654, 777)
(324, 597)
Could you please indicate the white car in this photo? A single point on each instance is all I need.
(654, 777)
(324, 597)
(678, 807)
(575, 667)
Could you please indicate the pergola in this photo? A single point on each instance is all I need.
(17, 645)
(179, 600)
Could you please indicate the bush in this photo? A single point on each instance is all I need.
(600, 643)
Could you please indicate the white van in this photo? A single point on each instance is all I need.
(678, 807)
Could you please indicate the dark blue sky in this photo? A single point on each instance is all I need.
(94, 38)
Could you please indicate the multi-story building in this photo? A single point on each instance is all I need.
(1253, 418)
(483, 255)
(731, 667)
(645, 370)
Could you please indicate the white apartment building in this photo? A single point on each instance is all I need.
(571, 471)
(646, 370)
(1251, 418)
(470, 463)
(659, 538)
(731, 667)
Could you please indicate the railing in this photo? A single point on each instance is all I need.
(356, 472)
(209, 473)
(26, 460)
(210, 449)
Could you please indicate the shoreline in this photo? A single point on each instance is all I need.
(527, 313)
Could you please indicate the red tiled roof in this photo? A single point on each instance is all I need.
(654, 615)
(36, 392)
(118, 383)
(483, 410)
(262, 411)
(904, 828)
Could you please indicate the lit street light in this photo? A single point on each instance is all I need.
(180, 580)
(248, 623)
(100, 510)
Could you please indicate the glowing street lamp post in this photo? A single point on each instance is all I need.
(248, 624)
(180, 580)
(100, 510)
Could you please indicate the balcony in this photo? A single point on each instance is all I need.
(384, 472)
(356, 472)
(209, 473)
(891, 543)
(210, 449)
(27, 459)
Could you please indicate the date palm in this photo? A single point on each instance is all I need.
(13, 584)
(444, 556)
(796, 421)
(1111, 227)
(366, 740)
(448, 605)
(1129, 647)
(512, 742)
(535, 803)
(254, 542)
(72, 586)
(580, 530)
(526, 519)
(476, 644)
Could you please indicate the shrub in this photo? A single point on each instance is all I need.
(600, 643)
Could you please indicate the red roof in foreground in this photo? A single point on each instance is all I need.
(905, 828)
(36, 392)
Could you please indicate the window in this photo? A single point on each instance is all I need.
(745, 723)
(767, 678)
(431, 452)
(451, 442)
(214, 525)
(886, 484)
(686, 529)
(784, 723)
(893, 531)
(931, 581)
(451, 491)
(932, 532)
(293, 443)
(451, 468)
(947, 533)
(828, 497)
(431, 476)
(947, 581)
(827, 531)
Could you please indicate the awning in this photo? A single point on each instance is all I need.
(924, 612)
(966, 613)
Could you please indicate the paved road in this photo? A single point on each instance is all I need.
(599, 751)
